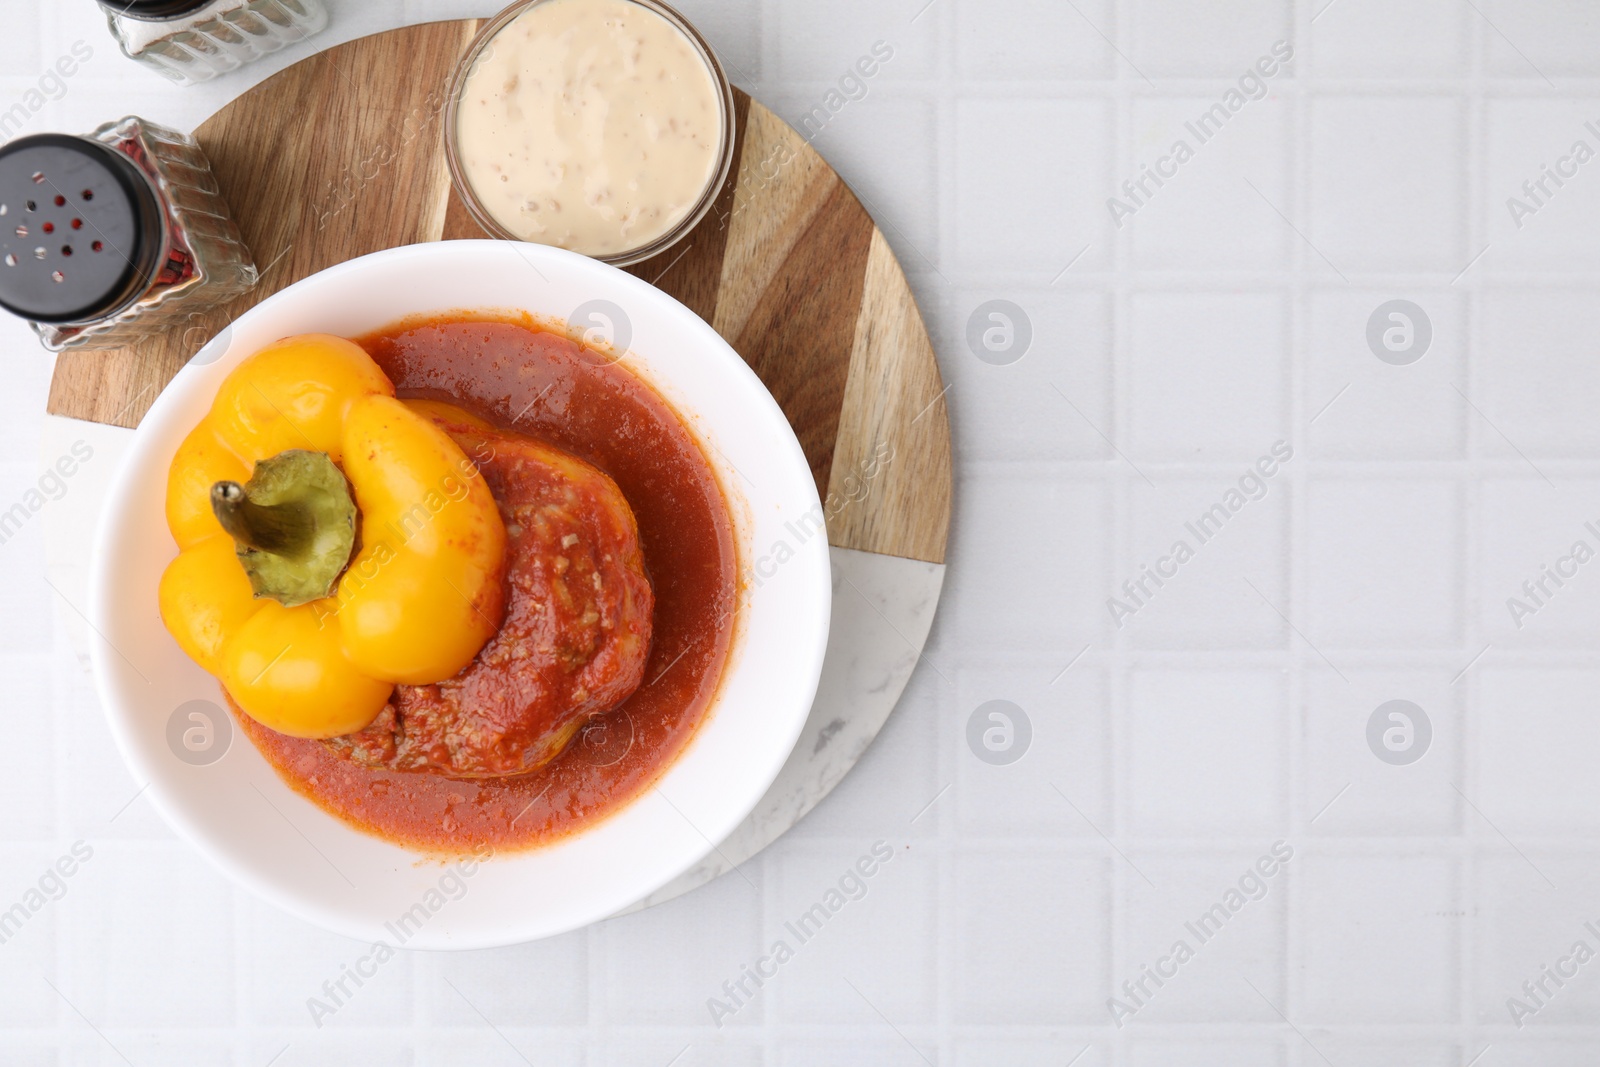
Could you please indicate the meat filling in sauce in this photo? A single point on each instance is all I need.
(529, 744)
(577, 627)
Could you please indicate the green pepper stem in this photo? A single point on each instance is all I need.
(288, 529)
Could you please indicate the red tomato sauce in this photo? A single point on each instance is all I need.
(525, 378)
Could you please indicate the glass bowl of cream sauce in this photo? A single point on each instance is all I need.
(604, 127)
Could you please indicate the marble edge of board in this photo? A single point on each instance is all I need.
(871, 506)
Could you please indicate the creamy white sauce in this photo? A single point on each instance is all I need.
(592, 125)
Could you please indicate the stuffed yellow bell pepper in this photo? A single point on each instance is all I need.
(307, 605)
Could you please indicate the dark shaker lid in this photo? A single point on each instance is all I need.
(154, 10)
(80, 229)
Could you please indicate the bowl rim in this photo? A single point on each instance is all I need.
(166, 798)
(726, 148)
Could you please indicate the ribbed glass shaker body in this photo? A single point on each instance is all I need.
(218, 37)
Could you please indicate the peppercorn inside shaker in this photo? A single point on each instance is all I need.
(111, 238)
(191, 41)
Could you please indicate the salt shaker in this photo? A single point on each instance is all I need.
(110, 238)
(193, 41)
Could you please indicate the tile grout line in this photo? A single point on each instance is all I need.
(947, 853)
(595, 959)
(1471, 548)
(945, 843)
(61, 725)
(1296, 534)
(1118, 493)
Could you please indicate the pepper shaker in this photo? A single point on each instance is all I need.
(192, 41)
(110, 238)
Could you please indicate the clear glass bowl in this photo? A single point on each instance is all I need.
(708, 196)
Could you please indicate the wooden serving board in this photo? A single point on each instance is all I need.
(343, 154)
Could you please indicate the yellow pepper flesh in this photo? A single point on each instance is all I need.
(423, 595)
(286, 667)
(434, 543)
(205, 599)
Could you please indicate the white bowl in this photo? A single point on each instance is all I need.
(292, 853)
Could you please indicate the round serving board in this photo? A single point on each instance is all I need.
(343, 154)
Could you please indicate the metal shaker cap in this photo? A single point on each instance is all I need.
(153, 10)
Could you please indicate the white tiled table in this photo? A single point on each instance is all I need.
(1229, 712)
